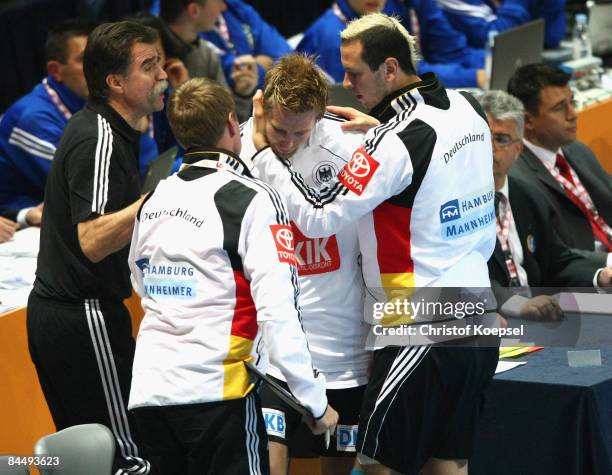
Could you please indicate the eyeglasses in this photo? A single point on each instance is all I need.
(504, 140)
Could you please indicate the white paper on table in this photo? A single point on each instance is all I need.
(503, 366)
(25, 243)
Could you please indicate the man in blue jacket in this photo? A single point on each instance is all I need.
(445, 51)
(31, 128)
(475, 18)
(241, 35)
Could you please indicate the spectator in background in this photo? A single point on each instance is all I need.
(528, 252)
(445, 51)
(244, 38)
(559, 168)
(475, 18)
(185, 19)
(31, 128)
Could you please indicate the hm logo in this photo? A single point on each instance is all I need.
(449, 211)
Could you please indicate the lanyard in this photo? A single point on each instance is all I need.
(581, 197)
(338, 13)
(223, 31)
(56, 100)
(503, 232)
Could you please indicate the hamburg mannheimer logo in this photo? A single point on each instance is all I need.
(449, 211)
(168, 280)
(324, 172)
(283, 238)
(464, 216)
(357, 173)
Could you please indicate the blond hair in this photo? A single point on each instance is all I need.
(382, 37)
(198, 112)
(296, 84)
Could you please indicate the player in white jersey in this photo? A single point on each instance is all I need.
(331, 296)
(212, 258)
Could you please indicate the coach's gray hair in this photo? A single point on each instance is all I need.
(502, 106)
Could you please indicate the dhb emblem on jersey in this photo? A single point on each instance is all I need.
(449, 211)
(346, 438)
(324, 172)
(359, 171)
(315, 256)
(275, 421)
(283, 238)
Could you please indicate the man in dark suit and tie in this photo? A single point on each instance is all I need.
(529, 252)
(561, 169)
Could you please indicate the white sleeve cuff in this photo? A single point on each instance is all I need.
(21, 217)
(596, 276)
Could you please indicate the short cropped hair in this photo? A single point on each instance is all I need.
(169, 10)
(527, 82)
(502, 106)
(382, 37)
(198, 112)
(109, 51)
(56, 47)
(145, 18)
(296, 84)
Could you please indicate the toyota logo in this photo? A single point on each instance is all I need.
(359, 165)
(285, 238)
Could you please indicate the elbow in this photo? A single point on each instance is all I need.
(91, 253)
(89, 247)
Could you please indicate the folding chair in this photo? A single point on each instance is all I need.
(82, 449)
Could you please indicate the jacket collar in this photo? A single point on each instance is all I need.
(540, 170)
(428, 90)
(216, 158)
(117, 122)
(72, 102)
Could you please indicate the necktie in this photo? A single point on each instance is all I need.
(564, 168)
(503, 231)
(598, 225)
(498, 198)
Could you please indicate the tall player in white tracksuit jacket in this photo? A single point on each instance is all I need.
(422, 189)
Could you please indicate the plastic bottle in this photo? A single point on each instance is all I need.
(489, 54)
(581, 42)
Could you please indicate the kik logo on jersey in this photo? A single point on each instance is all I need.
(357, 173)
(315, 256)
(275, 422)
(283, 238)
